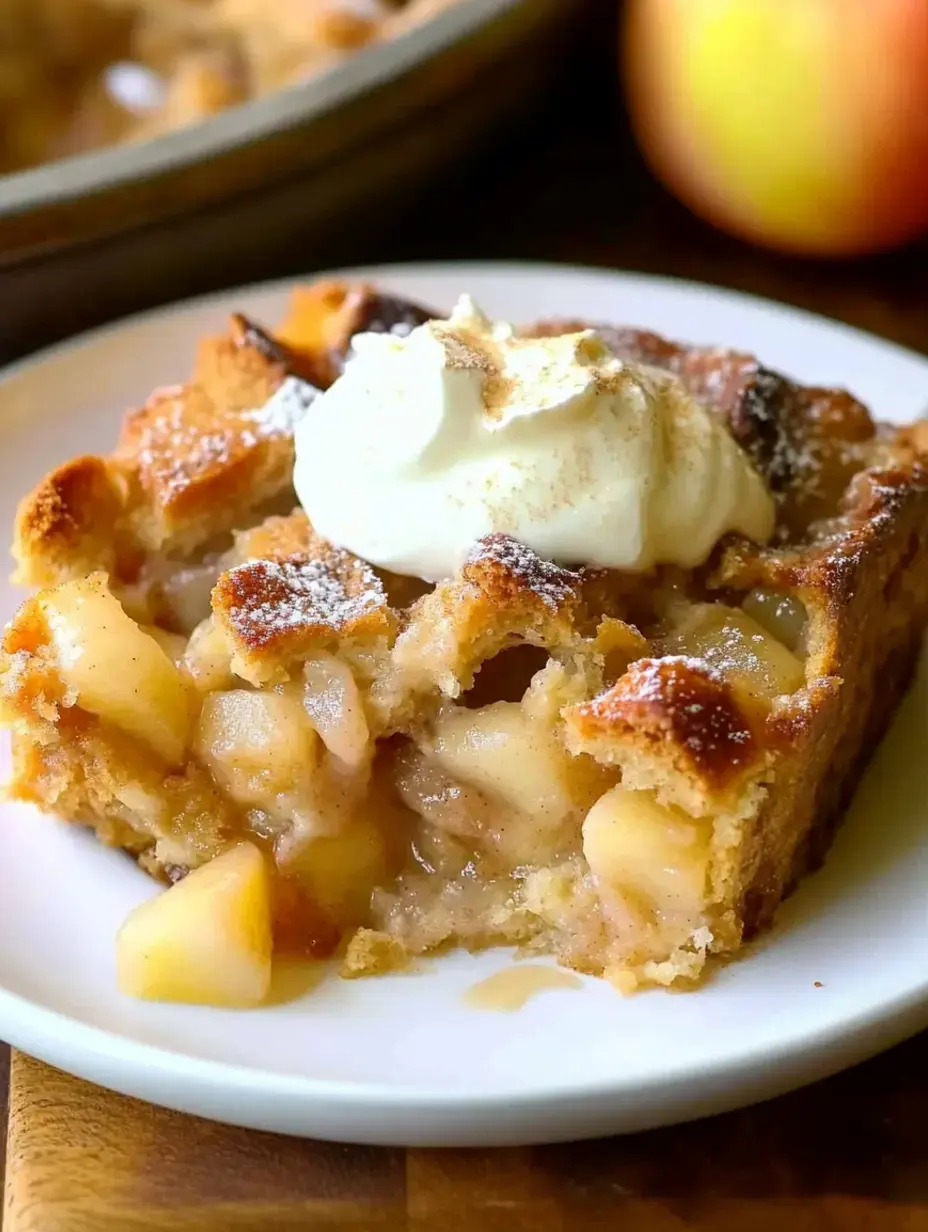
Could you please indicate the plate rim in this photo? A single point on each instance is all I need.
(502, 268)
(844, 1040)
(297, 1088)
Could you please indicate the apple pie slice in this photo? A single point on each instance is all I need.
(626, 770)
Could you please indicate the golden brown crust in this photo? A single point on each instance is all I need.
(201, 459)
(190, 463)
(69, 524)
(674, 709)
(504, 594)
(826, 570)
(519, 583)
(321, 322)
(275, 538)
(276, 611)
(867, 594)
(325, 316)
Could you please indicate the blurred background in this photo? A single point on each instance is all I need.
(153, 149)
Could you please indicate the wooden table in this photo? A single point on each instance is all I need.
(4, 1096)
(850, 1153)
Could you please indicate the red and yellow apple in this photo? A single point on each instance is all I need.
(800, 124)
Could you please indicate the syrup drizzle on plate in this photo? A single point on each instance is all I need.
(512, 987)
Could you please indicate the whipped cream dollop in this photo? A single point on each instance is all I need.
(462, 428)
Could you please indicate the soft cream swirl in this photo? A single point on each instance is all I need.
(429, 442)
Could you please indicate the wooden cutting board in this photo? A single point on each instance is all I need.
(847, 1155)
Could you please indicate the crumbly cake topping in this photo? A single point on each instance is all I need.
(191, 463)
(276, 538)
(545, 580)
(689, 686)
(676, 707)
(240, 400)
(68, 523)
(175, 454)
(275, 610)
(277, 596)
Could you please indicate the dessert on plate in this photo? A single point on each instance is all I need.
(389, 632)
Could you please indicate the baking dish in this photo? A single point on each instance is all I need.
(234, 197)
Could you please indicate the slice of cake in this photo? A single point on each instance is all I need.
(627, 768)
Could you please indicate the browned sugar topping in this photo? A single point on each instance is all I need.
(386, 314)
(676, 703)
(544, 579)
(247, 333)
(268, 599)
(698, 704)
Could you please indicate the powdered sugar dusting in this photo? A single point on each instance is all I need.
(651, 675)
(551, 583)
(285, 409)
(176, 453)
(685, 700)
(268, 599)
(183, 437)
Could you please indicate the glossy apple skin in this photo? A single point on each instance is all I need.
(799, 124)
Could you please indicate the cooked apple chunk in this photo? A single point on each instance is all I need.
(501, 751)
(116, 670)
(259, 747)
(634, 845)
(333, 702)
(339, 870)
(206, 940)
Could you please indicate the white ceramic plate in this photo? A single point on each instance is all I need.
(402, 1060)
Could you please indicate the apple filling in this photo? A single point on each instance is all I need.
(472, 820)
